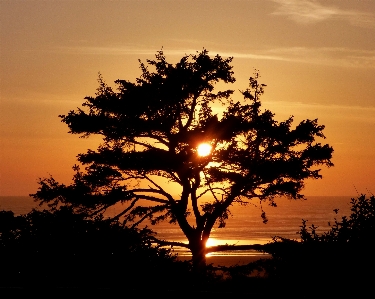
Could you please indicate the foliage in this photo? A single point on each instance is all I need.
(66, 249)
(151, 130)
(355, 229)
(344, 255)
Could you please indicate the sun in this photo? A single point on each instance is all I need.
(204, 149)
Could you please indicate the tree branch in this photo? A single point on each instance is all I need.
(258, 247)
(194, 200)
(192, 111)
(142, 144)
(152, 198)
(211, 190)
(160, 139)
(169, 243)
(142, 219)
(156, 185)
(126, 210)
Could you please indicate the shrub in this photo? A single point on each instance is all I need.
(342, 256)
(66, 249)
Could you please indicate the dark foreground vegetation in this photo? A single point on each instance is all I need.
(340, 261)
(63, 250)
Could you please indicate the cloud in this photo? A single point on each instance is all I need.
(333, 56)
(340, 57)
(311, 11)
(121, 50)
(363, 114)
(109, 50)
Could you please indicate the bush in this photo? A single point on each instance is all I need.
(340, 257)
(65, 249)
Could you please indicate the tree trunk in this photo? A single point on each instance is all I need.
(198, 250)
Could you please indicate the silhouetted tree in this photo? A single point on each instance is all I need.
(151, 129)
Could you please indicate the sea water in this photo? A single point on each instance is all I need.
(244, 226)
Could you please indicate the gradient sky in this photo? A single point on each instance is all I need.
(316, 57)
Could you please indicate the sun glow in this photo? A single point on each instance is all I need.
(204, 149)
(212, 242)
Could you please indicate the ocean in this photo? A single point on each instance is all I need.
(244, 226)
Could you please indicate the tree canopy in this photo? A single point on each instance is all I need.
(151, 130)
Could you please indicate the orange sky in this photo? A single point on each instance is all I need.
(316, 57)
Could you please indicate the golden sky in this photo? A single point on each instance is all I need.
(316, 57)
